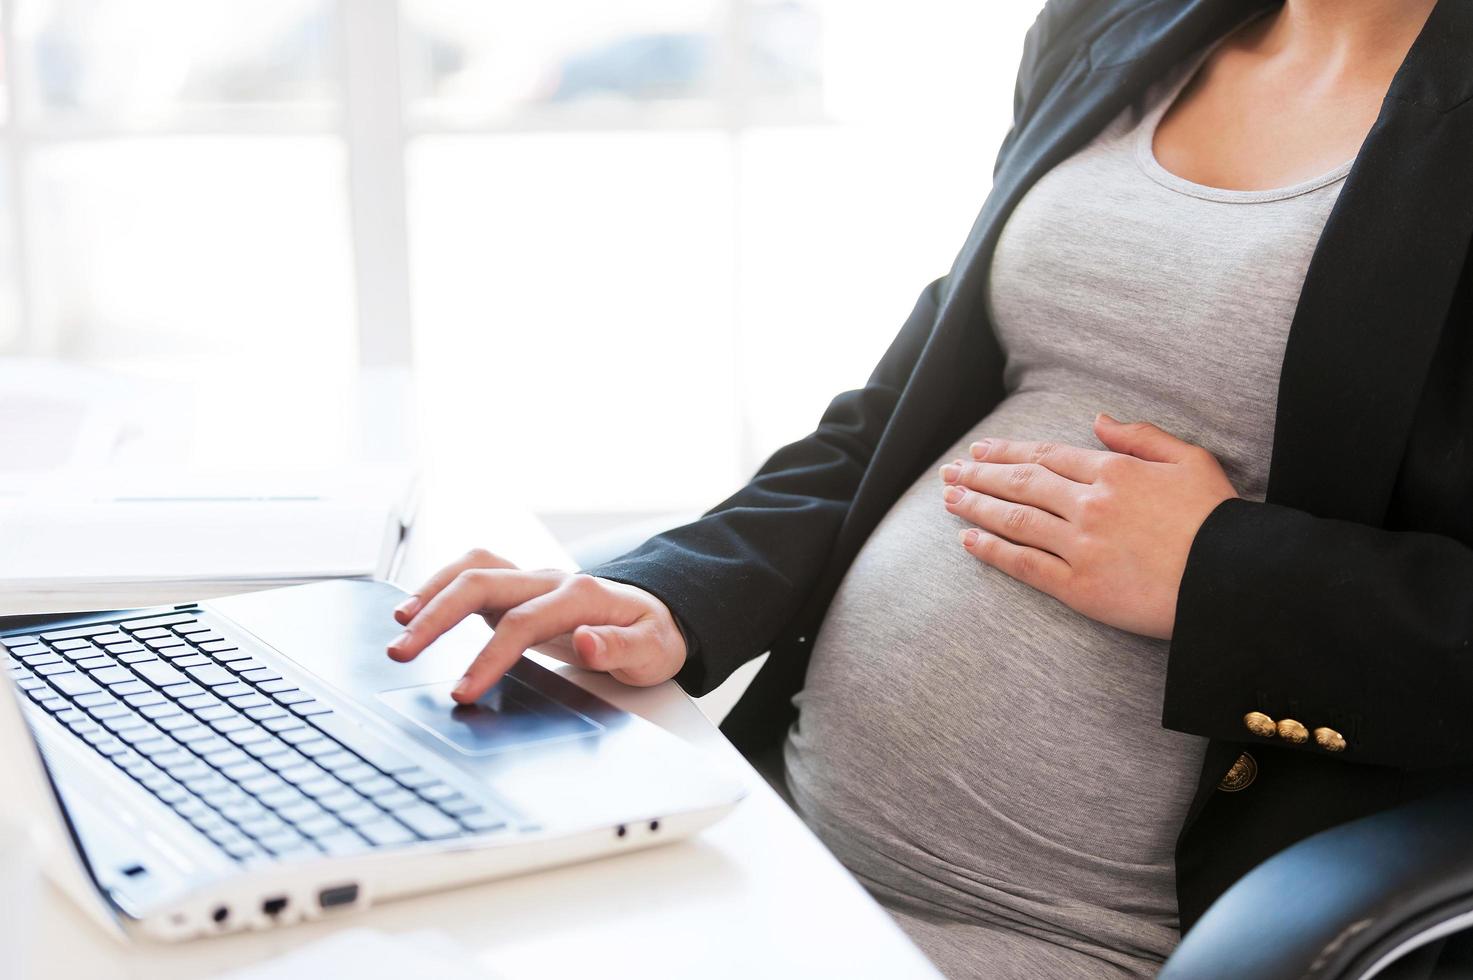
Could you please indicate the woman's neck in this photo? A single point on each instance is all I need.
(1352, 36)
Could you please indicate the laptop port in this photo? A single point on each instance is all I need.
(274, 906)
(620, 830)
(221, 913)
(654, 826)
(337, 896)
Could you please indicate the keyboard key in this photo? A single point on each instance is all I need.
(111, 638)
(428, 822)
(292, 729)
(49, 670)
(165, 710)
(191, 660)
(210, 675)
(41, 659)
(186, 690)
(151, 633)
(264, 712)
(127, 688)
(142, 656)
(482, 822)
(250, 700)
(216, 712)
(143, 699)
(75, 631)
(234, 723)
(217, 646)
(77, 644)
(268, 749)
(395, 798)
(228, 657)
(293, 697)
(244, 664)
(276, 687)
(90, 701)
(324, 823)
(385, 832)
(164, 643)
(340, 842)
(95, 663)
(437, 791)
(191, 628)
(234, 689)
(74, 684)
(113, 710)
(248, 736)
(174, 619)
(112, 675)
(195, 702)
(260, 675)
(308, 709)
(124, 722)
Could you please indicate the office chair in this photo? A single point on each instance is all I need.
(1372, 897)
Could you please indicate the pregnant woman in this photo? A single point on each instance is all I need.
(1147, 550)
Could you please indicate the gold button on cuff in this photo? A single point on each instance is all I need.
(1329, 739)
(1292, 731)
(1241, 775)
(1260, 724)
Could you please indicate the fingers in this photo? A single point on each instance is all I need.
(473, 590)
(539, 620)
(475, 558)
(1070, 462)
(1142, 440)
(1017, 522)
(1045, 572)
(1025, 483)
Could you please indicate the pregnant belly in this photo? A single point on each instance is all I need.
(971, 745)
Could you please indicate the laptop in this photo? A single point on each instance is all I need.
(257, 760)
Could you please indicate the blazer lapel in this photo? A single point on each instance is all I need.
(1380, 286)
(1102, 79)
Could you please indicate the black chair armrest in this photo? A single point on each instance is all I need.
(1344, 902)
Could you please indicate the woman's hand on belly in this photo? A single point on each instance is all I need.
(1104, 532)
(591, 622)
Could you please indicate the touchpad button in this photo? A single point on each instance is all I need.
(509, 715)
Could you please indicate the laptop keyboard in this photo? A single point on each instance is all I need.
(254, 760)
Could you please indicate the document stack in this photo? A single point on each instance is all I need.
(164, 537)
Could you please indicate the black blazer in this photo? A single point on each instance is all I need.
(1344, 601)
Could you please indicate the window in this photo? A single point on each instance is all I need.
(629, 247)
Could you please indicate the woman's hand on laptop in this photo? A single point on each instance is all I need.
(590, 622)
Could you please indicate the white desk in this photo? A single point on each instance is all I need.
(754, 896)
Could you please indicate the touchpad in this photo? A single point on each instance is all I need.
(509, 715)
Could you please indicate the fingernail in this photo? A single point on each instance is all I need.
(979, 448)
(1109, 418)
(462, 687)
(954, 494)
(596, 644)
(399, 642)
(408, 606)
(969, 536)
(950, 472)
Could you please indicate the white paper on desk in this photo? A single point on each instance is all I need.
(368, 954)
(186, 528)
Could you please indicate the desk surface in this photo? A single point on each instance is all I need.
(754, 896)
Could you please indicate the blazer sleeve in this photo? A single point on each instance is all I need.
(735, 577)
(1366, 631)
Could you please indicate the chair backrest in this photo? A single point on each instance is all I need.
(1344, 904)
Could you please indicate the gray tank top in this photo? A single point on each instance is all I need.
(988, 762)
